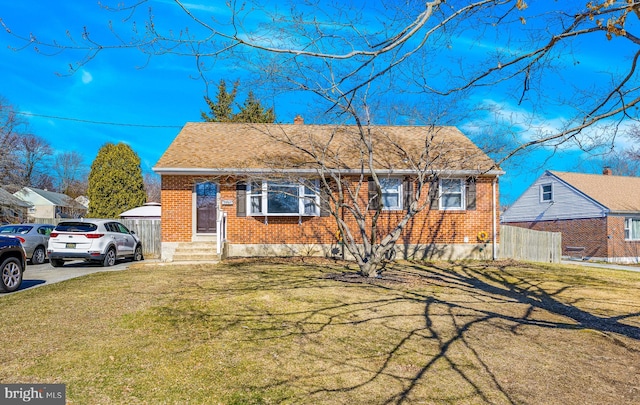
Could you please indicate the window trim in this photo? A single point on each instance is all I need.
(462, 192)
(303, 197)
(400, 193)
(550, 193)
(628, 229)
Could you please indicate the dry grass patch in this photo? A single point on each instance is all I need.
(262, 332)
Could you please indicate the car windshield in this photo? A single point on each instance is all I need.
(19, 229)
(76, 227)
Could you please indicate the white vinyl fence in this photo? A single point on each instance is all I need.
(526, 244)
(148, 230)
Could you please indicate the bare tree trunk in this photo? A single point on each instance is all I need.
(370, 268)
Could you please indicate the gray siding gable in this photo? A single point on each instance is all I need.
(568, 203)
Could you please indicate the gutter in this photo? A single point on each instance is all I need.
(231, 171)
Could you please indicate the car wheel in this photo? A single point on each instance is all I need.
(56, 262)
(10, 275)
(38, 256)
(137, 255)
(109, 258)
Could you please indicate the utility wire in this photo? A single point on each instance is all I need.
(97, 122)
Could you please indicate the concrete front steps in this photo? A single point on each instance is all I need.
(196, 252)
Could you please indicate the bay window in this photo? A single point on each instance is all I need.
(282, 198)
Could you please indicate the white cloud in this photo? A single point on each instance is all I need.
(203, 7)
(527, 126)
(86, 77)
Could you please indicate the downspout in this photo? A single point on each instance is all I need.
(494, 186)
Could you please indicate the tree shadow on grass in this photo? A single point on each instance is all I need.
(482, 292)
(535, 296)
(497, 285)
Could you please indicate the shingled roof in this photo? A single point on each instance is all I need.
(207, 147)
(57, 199)
(9, 200)
(617, 193)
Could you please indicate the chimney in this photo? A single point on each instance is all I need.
(298, 120)
(607, 171)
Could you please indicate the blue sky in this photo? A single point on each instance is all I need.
(150, 100)
(112, 88)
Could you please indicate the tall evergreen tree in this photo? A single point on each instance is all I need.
(115, 182)
(222, 109)
(253, 111)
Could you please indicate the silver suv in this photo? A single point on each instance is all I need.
(97, 240)
(34, 238)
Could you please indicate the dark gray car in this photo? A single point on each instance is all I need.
(12, 264)
(34, 238)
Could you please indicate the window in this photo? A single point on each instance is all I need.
(452, 194)
(45, 230)
(391, 194)
(255, 198)
(310, 200)
(632, 228)
(283, 198)
(76, 227)
(121, 228)
(546, 193)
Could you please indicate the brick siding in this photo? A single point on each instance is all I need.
(600, 237)
(429, 226)
(617, 245)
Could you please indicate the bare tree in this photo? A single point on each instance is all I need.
(356, 165)
(152, 187)
(45, 182)
(347, 59)
(515, 47)
(78, 187)
(33, 152)
(622, 159)
(10, 132)
(633, 152)
(70, 171)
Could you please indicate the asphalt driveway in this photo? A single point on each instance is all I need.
(43, 274)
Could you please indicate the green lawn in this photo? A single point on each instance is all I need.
(312, 332)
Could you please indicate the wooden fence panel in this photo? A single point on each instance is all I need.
(148, 230)
(526, 244)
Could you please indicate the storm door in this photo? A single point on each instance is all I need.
(206, 207)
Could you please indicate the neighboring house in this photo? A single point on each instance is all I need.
(50, 205)
(12, 209)
(222, 182)
(83, 200)
(598, 215)
(150, 210)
